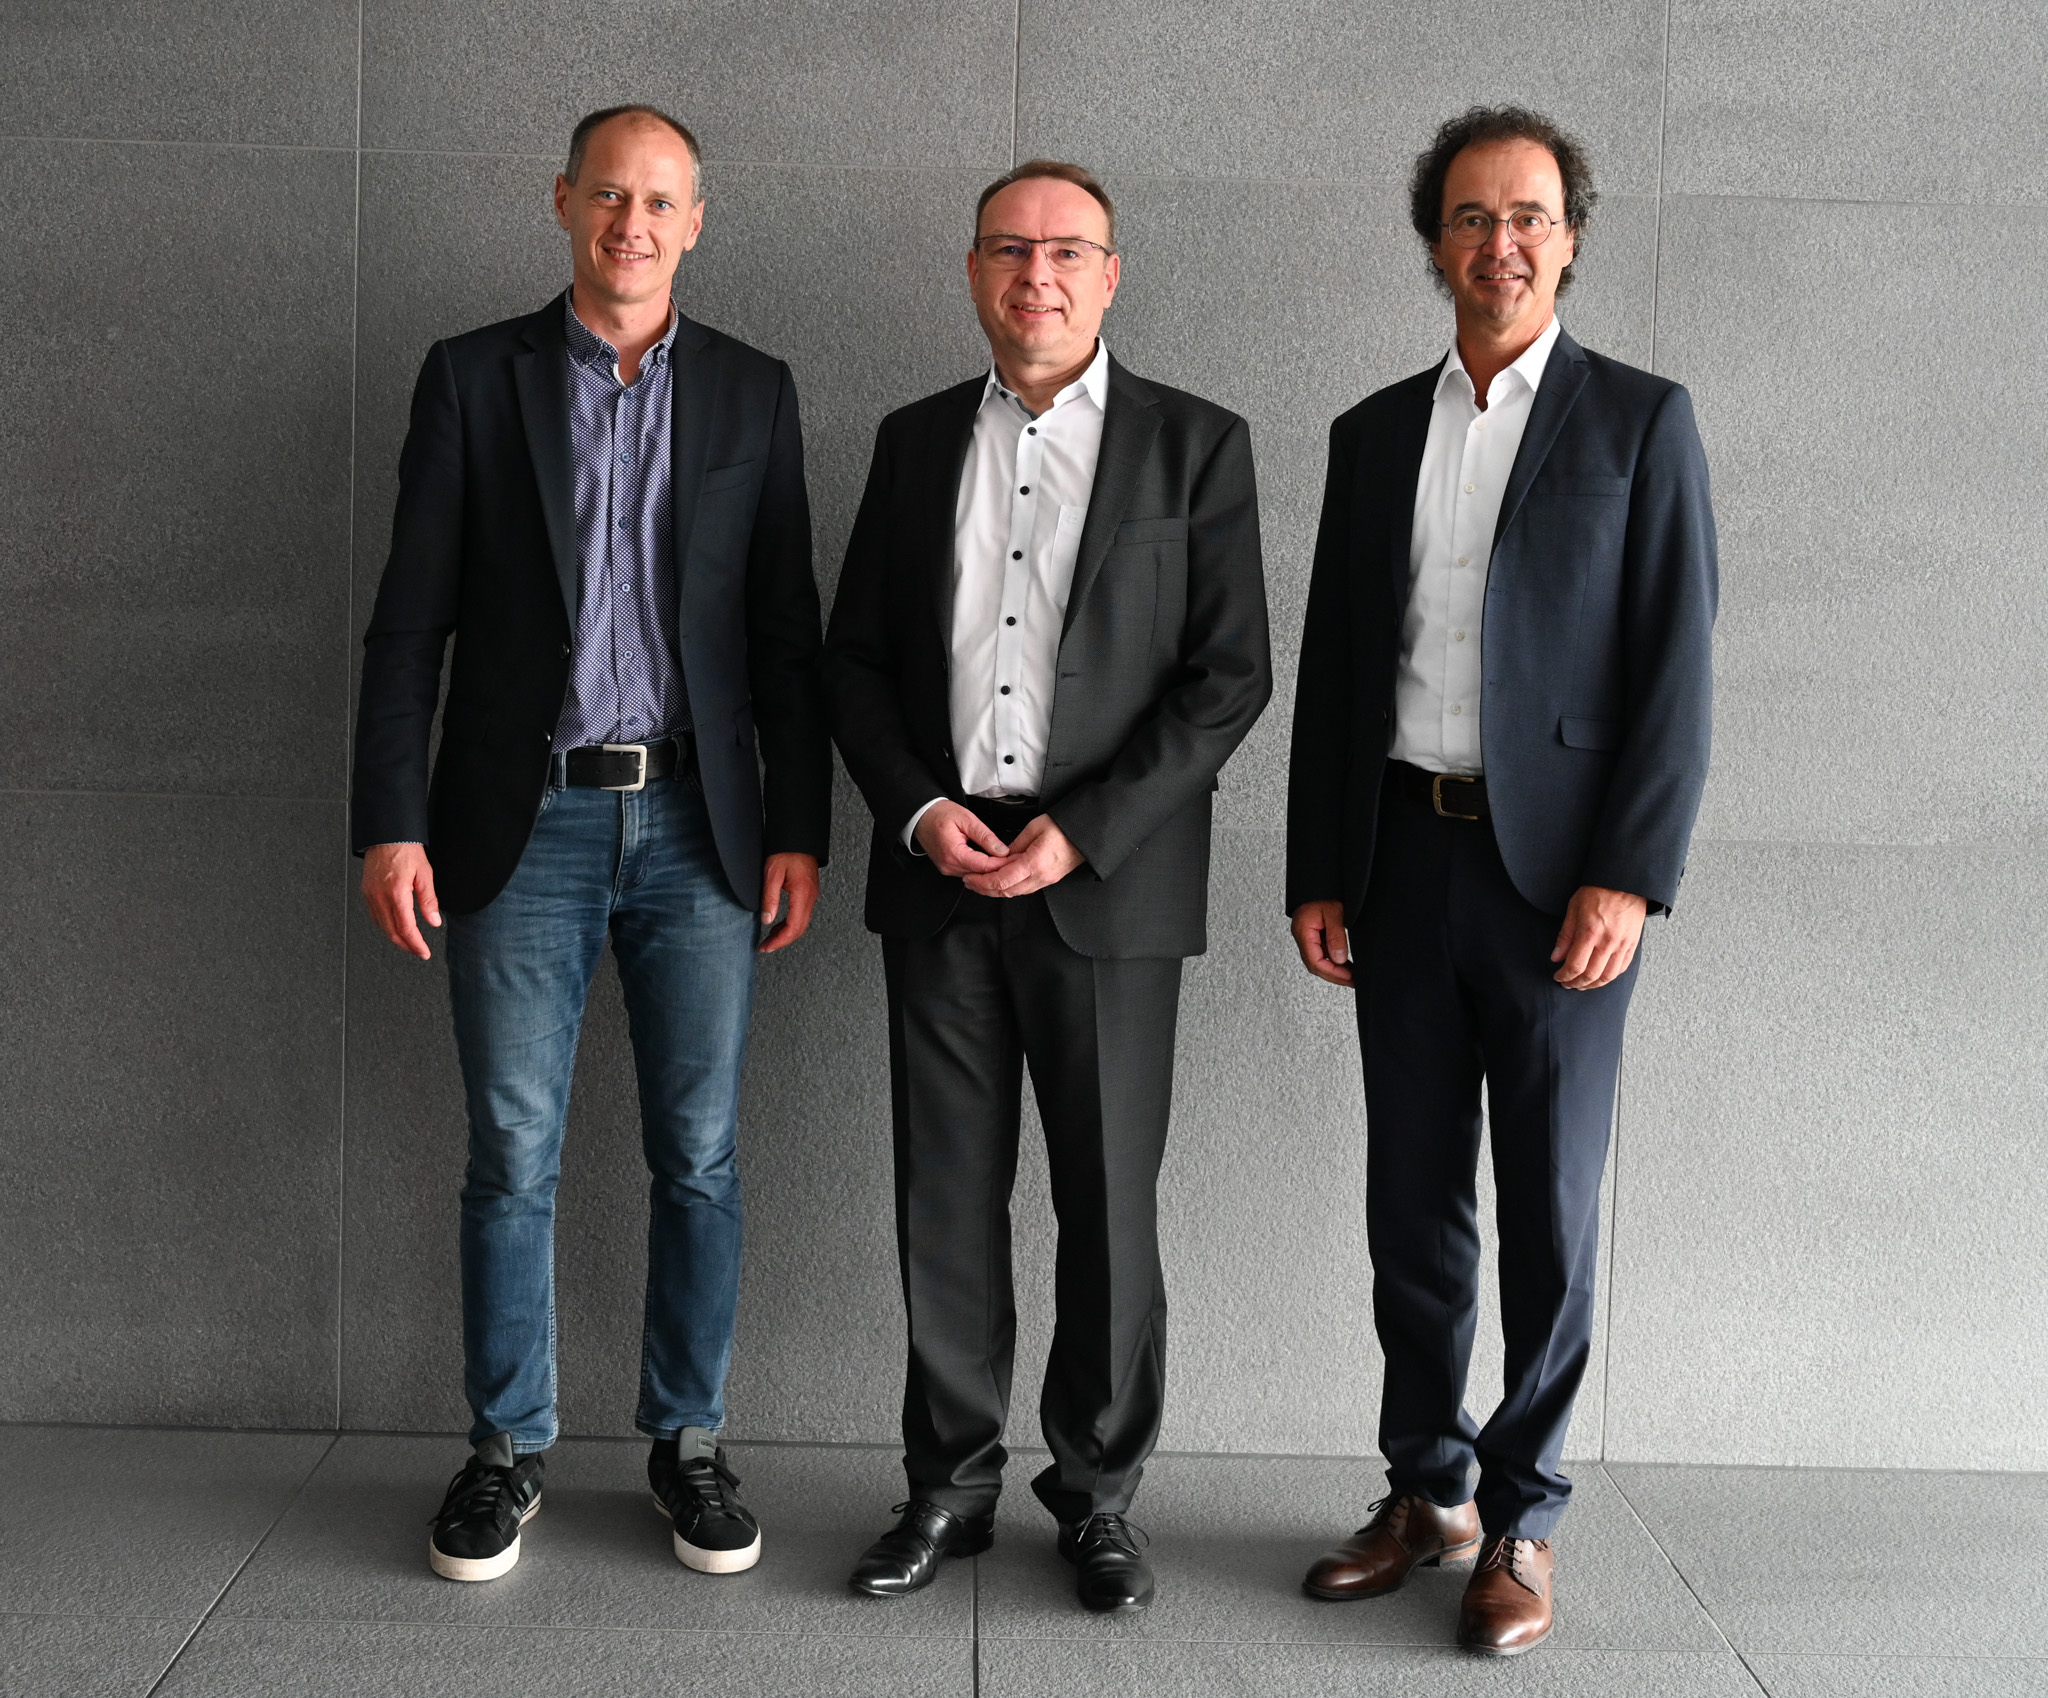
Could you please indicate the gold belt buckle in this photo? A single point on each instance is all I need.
(1436, 794)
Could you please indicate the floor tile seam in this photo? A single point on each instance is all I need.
(1447, 1648)
(1611, 1463)
(206, 1615)
(1910, 1656)
(1686, 1581)
(409, 1623)
(88, 1615)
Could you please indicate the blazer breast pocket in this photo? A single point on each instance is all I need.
(1589, 733)
(727, 477)
(1570, 484)
(1150, 530)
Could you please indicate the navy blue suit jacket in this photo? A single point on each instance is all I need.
(483, 548)
(1597, 670)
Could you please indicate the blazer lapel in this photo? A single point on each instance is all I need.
(1563, 377)
(542, 377)
(693, 405)
(1130, 424)
(1409, 433)
(952, 433)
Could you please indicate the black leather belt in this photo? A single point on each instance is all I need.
(1451, 796)
(624, 766)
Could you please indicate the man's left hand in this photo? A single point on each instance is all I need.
(1599, 938)
(797, 877)
(1041, 855)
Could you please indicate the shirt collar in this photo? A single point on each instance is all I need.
(1094, 383)
(587, 348)
(1529, 368)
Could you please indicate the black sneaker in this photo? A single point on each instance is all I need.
(714, 1532)
(476, 1535)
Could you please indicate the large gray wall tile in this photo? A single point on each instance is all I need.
(1877, 475)
(1797, 1676)
(864, 83)
(70, 1543)
(174, 446)
(1828, 1245)
(183, 71)
(1317, 88)
(1880, 100)
(170, 1033)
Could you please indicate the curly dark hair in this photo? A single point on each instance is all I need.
(1483, 124)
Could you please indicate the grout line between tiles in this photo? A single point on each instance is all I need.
(1663, 132)
(1016, 97)
(199, 1626)
(1685, 1581)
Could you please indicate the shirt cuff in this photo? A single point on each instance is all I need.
(910, 830)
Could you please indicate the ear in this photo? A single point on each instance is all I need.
(562, 200)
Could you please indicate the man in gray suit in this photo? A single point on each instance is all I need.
(1049, 636)
(1500, 739)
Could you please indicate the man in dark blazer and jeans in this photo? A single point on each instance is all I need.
(603, 503)
(1500, 739)
(1049, 636)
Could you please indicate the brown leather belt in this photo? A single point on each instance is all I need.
(1451, 796)
(624, 766)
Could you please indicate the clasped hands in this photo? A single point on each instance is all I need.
(962, 847)
(1594, 946)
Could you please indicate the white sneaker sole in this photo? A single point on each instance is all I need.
(711, 1562)
(479, 1568)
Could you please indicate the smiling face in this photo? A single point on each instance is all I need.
(632, 212)
(1498, 284)
(1036, 318)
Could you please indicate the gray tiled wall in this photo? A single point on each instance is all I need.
(232, 1124)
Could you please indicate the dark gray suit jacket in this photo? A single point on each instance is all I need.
(1597, 672)
(483, 548)
(1163, 662)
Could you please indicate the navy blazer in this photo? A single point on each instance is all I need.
(1597, 670)
(483, 548)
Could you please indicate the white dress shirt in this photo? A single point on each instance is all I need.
(1465, 465)
(1016, 534)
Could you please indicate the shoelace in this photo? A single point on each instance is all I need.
(1110, 1529)
(1389, 1512)
(1508, 1554)
(709, 1481)
(479, 1489)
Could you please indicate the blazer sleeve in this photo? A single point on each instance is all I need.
(1319, 758)
(1225, 680)
(1671, 588)
(412, 620)
(863, 661)
(784, 649)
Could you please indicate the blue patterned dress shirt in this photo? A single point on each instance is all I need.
(625, 677)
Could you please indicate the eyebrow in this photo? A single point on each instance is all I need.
(1520, 206)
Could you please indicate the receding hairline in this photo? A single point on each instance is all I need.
(1051, 171)
(640, 117)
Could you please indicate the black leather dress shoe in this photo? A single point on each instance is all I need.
(907, 1557)
(1109, 1574)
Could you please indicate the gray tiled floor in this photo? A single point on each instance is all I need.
(293, 1564)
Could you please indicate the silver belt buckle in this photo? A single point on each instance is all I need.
(640, 779)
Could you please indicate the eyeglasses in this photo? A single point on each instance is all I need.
(1529, 228)
(1062, 253)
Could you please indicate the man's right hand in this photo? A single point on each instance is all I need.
(394, 876)
(959, 844)
(1319, 935)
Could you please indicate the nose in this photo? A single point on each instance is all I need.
(1037, 269)
(1499, 244)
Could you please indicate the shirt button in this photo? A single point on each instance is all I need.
(1010, 621)
(1016, 554)
(1464, 560)
(1026, 490)
(1009, 760)
(622, 524)
(1003, 690)
(1461, 636)
(1031, 430)
(1471, 489)
(1456, 709)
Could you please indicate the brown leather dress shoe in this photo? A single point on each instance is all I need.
(1405, 1534)
(1507, 1607)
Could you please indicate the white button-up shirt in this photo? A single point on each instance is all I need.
(1465, 465)
(1016, 534)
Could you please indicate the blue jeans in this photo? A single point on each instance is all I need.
(640, 868)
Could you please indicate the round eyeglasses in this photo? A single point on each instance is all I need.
(1062, 253)
(1529, 228)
